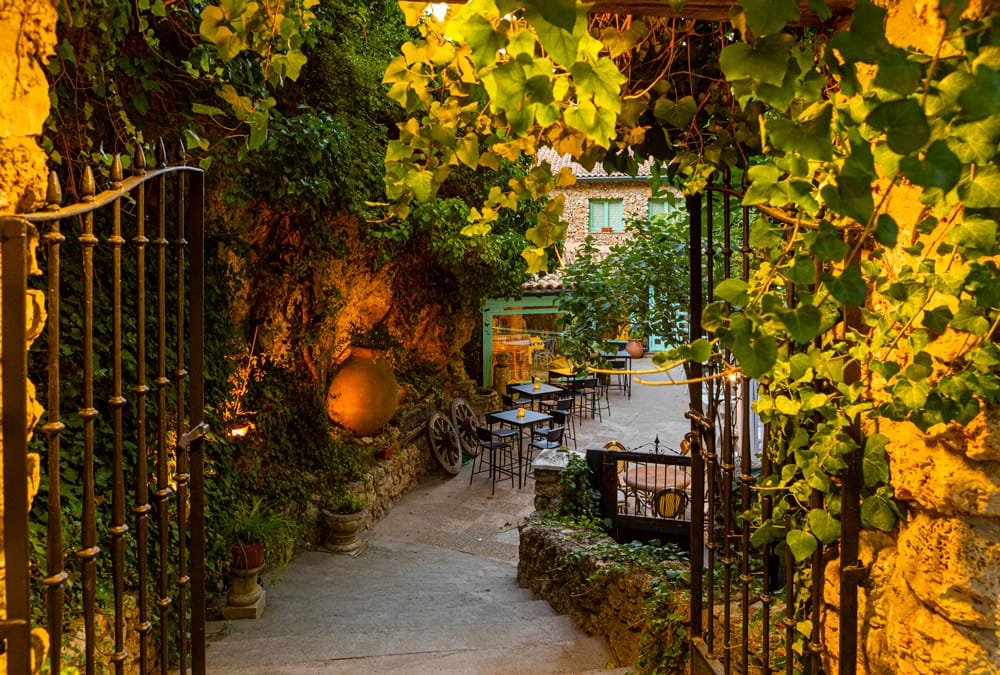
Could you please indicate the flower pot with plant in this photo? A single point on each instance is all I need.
(254, 534)
(344, 519)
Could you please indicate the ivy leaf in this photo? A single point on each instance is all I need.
(820, 8)
(597, 124)
(982, 99)
(679, 113)
(904, 124)
(823, 525)
(913, 395)
(477, 32)
(975, 236)
(801, 544)
(536, 258)
(876, 512)
(983, 191)
(733, 291)
(756, 353)
(766, 17)
(886, 230)
(939, 168)
(802, 272)
(808, 135)
(804, 323)
(897, 73)
(467, 150)
(970, 319)
(619, 42)
(701, 350)
(602, 81)
(975, 141)
(921, 368)
(852, 196)
(560, 43)
(560, 13)
(865, 41)
(421, 183)
(875, 461)
(849, 288)
(762, 178)
(764, 61)
(937, 319)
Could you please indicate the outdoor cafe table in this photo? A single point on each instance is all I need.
(648, 479)
(544, 391)
(530, 419)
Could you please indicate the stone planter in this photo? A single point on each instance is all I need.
(363, 395)
(342, 532)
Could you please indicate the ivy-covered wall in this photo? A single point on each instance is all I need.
(932, 601)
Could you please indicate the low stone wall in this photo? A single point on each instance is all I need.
(606, 600)
(610, 605)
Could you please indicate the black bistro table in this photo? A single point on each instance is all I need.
(544, 391)
(527, 421)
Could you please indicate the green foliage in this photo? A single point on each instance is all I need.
(254, 523)
(347, 503)
(579, 502)
(493, 81)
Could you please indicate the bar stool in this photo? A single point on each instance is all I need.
(497, 452)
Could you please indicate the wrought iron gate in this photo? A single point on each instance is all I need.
(735, 586)
(144, 431)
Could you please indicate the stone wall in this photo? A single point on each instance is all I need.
(576, 212)
(27, 39)
(611, 605)
(931, 603)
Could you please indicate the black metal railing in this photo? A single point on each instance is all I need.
(739, 591)
(146, 441)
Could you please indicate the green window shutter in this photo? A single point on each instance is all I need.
(598, 214)
(616, 215)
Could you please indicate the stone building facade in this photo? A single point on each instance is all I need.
(597, 183)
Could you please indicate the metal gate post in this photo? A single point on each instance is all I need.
(16, 628)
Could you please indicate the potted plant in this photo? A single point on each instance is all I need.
(252, 530)
(254, 533)
(345, 517)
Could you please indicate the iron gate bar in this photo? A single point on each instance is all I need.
(16, 626)
(118, 528)
(142, 507)
(190, 469)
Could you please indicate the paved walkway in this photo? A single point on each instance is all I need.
(436, 589)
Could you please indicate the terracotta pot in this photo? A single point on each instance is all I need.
(247, 556)
(363, 395)
(634, 348)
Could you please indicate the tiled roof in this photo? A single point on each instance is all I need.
(557, 162)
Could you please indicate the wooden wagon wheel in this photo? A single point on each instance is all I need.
(464, 419)
(444, 442)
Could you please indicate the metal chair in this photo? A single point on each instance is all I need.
(669, 503)
(551, 439)
(497, 452)
(562, 415)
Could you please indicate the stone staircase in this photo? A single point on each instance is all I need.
(403, 607)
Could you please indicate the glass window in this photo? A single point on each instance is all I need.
(606, 215)
(660, 206)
